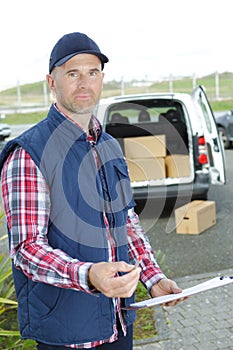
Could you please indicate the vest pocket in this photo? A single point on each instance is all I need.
(123, 186)
(76, 318)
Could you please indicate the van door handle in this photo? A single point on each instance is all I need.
(216, 146)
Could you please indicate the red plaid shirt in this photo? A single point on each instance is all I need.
(26, 200)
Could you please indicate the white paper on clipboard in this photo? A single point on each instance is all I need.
(202, 287)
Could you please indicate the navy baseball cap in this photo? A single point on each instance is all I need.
(73, 44)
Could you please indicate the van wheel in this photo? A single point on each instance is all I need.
(201, 197)
(140, 204)
(225, 140)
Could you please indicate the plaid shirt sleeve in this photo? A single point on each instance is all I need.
(27, 205)
(139, 246)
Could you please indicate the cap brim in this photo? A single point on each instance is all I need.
(103, 58)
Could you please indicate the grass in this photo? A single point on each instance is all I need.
(9, 334)
(24, 118)
(144, 326)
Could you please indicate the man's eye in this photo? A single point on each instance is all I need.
(73, 75)
(94, 73)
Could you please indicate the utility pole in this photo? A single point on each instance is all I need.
(171, 83)
(216, 85)
(122, 86)
(18, 94)
(194, 81)
(45, 93)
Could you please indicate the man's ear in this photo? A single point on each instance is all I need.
(50, 81)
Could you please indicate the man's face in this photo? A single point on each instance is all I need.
(77, 84)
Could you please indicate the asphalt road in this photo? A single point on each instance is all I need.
(210, 251)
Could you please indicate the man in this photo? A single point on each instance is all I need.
(74, 235)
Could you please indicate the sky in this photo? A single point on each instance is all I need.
(150, 39)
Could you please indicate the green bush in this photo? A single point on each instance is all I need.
(9, 334)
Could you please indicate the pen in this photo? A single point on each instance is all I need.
(137, 263)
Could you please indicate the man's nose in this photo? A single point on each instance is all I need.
(83, 80)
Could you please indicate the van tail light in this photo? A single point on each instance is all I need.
(203, 159)
(201, 141)
(202, 151)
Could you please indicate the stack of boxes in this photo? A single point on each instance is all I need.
(177, 165)
(147, 159)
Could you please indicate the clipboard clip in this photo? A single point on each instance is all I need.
(223, 277)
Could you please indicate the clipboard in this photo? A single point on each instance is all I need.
(202, 287)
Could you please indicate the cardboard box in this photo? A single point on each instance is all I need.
(177, 165)
(146, 169)
(195, 217)
(145, 147)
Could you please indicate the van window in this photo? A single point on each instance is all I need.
(206, 115)
(143, 111)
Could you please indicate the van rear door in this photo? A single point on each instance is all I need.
(214, 144)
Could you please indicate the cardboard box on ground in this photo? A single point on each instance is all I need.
(195, 217)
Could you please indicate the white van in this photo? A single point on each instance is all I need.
(170, 141)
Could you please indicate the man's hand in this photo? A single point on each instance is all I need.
(164, 287)
(104, 277)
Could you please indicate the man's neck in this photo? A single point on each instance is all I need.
(82, 120)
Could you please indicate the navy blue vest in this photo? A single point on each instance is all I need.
(80, 193)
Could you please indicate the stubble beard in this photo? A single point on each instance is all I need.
(75, 109)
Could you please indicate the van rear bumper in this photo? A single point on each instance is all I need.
(194, 190)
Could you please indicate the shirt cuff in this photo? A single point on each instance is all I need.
(83, 280)
(151, 277)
